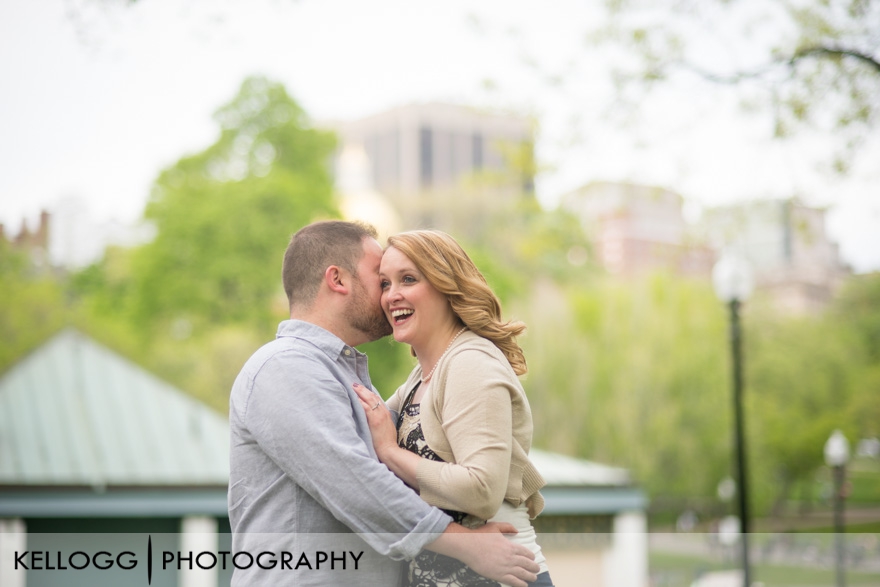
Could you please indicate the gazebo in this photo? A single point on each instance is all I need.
(97, 452)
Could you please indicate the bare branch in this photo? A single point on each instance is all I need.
(799, 55)
(820, 51)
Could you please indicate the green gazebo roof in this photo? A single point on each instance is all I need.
(74, 413)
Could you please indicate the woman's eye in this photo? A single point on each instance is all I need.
(384, 284)
(409, 279)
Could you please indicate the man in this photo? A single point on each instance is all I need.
(305, 487)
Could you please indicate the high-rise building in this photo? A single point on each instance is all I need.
(443, 164)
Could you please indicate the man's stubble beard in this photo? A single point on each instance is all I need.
(366, 316)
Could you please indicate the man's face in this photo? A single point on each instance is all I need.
(364, 312)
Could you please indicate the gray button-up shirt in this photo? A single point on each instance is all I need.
(304, 478)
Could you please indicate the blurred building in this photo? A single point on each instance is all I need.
(34, 242)
(77, 240)
(788, 247)
(441, 164)
(359, 200)
(637, 229)
(593, 529)
(68, 237)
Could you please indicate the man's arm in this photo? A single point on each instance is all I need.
(302, 418)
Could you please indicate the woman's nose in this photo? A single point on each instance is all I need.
(392, 293)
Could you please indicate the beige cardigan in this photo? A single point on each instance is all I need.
(476, 417)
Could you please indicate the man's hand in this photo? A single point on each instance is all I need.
(488, 552)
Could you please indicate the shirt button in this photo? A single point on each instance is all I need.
(347, 352)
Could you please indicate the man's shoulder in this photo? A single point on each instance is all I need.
(291, 350)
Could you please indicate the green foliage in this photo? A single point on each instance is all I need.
(31, 306)
(390, 364)
(549, 244)
(523, 243)
(225, 215)
(807, 376)
(206, 365)
(801, 378)
(857, 307)
(637, 373)
(205, 293)
(822, 73)
(626, 373)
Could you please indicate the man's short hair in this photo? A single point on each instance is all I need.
(314, 248)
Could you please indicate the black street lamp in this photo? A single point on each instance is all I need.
(732, 278)
(836, 457)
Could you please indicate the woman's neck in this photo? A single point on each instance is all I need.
(437, 347)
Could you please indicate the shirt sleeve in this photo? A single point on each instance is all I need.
(477, 421)
(308, 425)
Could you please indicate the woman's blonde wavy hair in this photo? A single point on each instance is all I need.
(450, 270)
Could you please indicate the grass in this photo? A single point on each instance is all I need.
(676, 570)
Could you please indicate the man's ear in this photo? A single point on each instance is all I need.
(336, 279)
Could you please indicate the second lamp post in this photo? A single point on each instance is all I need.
(836, 457)
(733, 283)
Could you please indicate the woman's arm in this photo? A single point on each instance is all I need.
(401, 462)
(477, 423)
(477, 420)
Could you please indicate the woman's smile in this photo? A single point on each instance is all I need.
(399, 316)
(418, 313)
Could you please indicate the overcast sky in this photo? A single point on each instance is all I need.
(97, 99)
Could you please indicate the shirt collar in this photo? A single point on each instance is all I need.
(325, 340)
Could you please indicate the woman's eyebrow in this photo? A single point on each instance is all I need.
(403, 270)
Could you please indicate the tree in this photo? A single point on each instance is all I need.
(32, 305)
(858, 307)
(625, 372)
(802, 376)
(192, 304)
(810, 63)
(224, 216)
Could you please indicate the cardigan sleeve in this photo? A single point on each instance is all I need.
(474, 407)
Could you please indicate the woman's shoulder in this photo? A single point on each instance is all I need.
(475, 353)
(470, 340)
(471, 346)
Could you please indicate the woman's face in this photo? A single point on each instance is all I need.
(415, 309)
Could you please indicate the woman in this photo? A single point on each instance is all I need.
(465, 426)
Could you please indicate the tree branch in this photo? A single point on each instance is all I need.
(820, 51)
(799, 55)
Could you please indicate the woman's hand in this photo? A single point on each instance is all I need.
(401, 462)
(379, 418)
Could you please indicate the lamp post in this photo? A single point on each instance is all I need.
(836, 457)
(732, 279)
